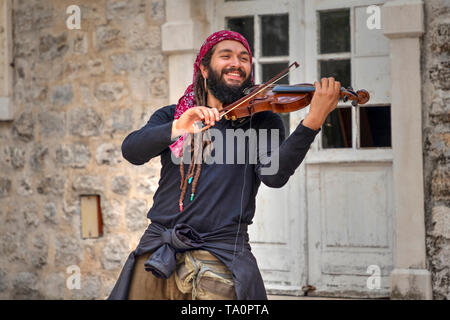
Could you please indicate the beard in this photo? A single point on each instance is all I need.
(225, 93)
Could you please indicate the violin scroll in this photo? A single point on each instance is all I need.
(358, 97)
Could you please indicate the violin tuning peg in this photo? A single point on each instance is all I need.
(350, 88)
(345, 99)
(354, 103)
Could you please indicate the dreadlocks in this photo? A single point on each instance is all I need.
(197, 144)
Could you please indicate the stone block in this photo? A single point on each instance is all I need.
(440, 183)
(30, 214)
(52, 124)
(14, 156)
(403, 19)
(61, 95)
(26, 286)
(95, 67)
(11, 245)
(49, 211)
(107, 37)
(32, 15)
(119, 121)
(440, 75)
(156, 11)
(51, 185)
(136, 215)
(123, 63)
(26, 47)
(38, 255)
(154, 66)
(109, 154)
(68, 251)
(54, 286)
(141, 36)
(159, 87)
(88, 184)
(110, 91)
(3, 281)
(147, 185)
(38, 156)
(440, 38)
(120, 185)
(115, 252)
(75, 155)
(53, 47)
(85, 122)
(111, 213)
(23, 127)
(440, 216)
(24, 187)
(5, 187)
(80, 43)
(124, 10)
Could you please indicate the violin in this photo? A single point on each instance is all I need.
(282, 98)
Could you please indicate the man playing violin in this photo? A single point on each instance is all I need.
(197, 245)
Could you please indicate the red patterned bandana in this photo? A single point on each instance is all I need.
(187, 100)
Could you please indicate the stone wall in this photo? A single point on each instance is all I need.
(77, 94)
(436, 123)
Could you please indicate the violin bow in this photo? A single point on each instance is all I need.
(257, 90)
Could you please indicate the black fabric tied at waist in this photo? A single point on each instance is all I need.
(179, 239)
(229, 244)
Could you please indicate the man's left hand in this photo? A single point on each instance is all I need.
(325, 99)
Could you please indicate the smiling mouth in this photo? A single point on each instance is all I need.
(234, 75)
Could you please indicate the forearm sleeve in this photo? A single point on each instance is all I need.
(150, 141)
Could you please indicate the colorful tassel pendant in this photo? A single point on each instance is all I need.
(190, 180)
(192, 196)
(181, 206)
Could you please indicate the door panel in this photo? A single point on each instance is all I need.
(350, 210)
(277, 239)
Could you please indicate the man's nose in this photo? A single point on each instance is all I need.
(235, 62)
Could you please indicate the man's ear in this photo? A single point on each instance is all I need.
(204, 71)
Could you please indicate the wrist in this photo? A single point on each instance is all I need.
(313, 121)
(175, 131)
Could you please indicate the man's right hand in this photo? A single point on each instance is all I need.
(185, 123)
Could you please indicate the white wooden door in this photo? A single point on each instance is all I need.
(332, 223)
(349, 180)
(277, 235)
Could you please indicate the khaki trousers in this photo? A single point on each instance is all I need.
(198, 275)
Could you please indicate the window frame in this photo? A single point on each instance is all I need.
(312, 58)
(303, 48)
(221, 9)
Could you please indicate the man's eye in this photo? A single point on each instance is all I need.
(225, 57)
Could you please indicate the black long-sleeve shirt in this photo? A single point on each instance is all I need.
(223, 190)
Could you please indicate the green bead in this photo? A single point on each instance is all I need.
(192, 196)
(190, 180)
